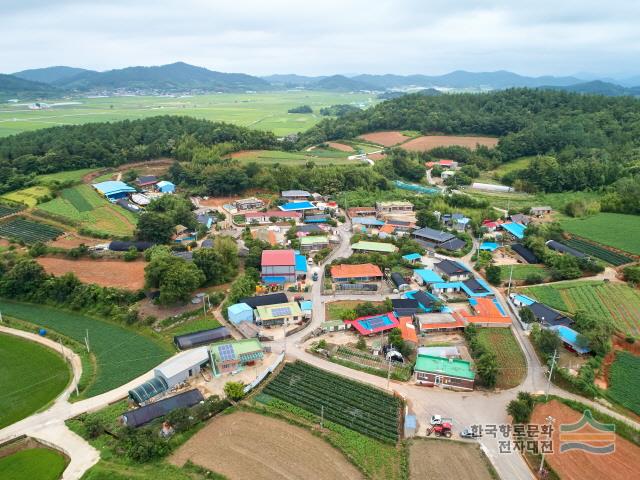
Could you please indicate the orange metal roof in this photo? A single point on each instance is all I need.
(387, 228)
(408, 329)
(485, 311)
(356, 271)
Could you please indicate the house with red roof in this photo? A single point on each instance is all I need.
(373, 324)
(265, 217)
(278, 266)
(444, 163)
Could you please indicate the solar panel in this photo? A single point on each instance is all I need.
(226, 352)
(376, 322)
(281, 312)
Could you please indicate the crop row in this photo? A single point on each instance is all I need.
(624, 381)
(615, 259)
(6, 211)
(28, 232)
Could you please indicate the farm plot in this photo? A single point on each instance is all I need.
(521, 272)
(31, 375)
(512, 366)
(121, 354)
(5, 210)
(27, 231)
(227, 445)
(33, 464)
(624, 381)
(106, 273)
(317, 155)
(28, 196)
(433, 458)
(386, 139)
(83, 207)
(616, 302)
(622, 464)
(615, 259)
(69, 176)
(428, 142)
(359, 407)
(613, 229)
(353, 358)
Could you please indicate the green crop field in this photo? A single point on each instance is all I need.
(28, 196)
(612, 229)
(31, 376)
(624, 381)
(70, 176)
(33, 464)
(594, 250)
(351, 404)
(512, 366)
(614, 301)
(265, 111)
(121, 354)
(84, 207)
(557, 201)
(522, 271)
(318, 156)
(18, 228)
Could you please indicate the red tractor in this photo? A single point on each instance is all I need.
(441, 430)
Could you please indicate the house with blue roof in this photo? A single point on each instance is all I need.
(515, 229)
(412, 257)
(367, 221)
(297, 206)
(426, 301)
(473, 288)
(424, 276)
(165, 187)
(572, 340)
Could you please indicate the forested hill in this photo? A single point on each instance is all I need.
(109, 144)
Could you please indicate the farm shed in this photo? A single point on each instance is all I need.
(515, 229)
(279, 263)
(399, 281)
(425, 276)
(114, 190)
(233, 356)
(333, 326)
(295, 195)
(404, 306)
(540, 211)
(308, 229)
(263, 300)
(443, 352)
(393, 207)
(549, 317)
(146, 181)
(313, 242)
(201, 337)
(142, 415)
(131, 207)
(301, 266)
(412, 257)
(408, 330)
(265, 217)
(148, 390)
(520, 300)
(278, 314)
(559, 247)
(444, 372)
(375, 247)
(364, 272)
(316, 218)
(181, 367)
(453, 270)
(526, 254)
(367, 221)
(361, 212)
(453, 244)
(297, 206)
(165, 187)
(240, 312)
(120, 246)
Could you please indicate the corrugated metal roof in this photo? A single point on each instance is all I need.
(276, 258)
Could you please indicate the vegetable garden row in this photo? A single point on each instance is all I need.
(6, 210)
(624, 381)
(615, 259)
(27, 231)
(359, 407)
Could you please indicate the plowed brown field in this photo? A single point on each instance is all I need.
(247, 445)
(430, 458)
(107, 273)
(386, 139)
(622, 464)
(428, 142)
(341, 146)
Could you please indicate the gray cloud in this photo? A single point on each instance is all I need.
(323, 37)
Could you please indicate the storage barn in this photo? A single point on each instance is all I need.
(201, 337)
(114, 190)
(146, 414)
(165, 187)
(240, 312)
(180, 368)
(278, 266)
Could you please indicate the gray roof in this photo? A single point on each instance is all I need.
(295, 193)
(431, 234)
(140, 416)
(548, 316)
(451, 268)
(559, 247)
(453, 244)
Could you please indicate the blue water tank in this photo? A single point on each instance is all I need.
(42, 332)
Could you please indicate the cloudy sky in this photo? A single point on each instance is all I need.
(533, 37)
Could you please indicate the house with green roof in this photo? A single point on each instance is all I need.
(313, 242)
(444, 372)
(278, 314)
(375, 247)
(234, 356)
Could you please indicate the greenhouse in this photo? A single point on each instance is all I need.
(148, 390)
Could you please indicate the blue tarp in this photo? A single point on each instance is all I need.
(515, 229)
(412, 256)
(301, 263)
(293, 206)
(491, 246)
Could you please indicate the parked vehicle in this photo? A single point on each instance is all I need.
(470, 433)
(436, 419)
(314, 277)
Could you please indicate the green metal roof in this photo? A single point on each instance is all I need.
(313, 239)
(452, 367)
(240, 347)
(375, 247)
(268, 312)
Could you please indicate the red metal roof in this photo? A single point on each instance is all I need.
(273, 213)
(356, 271)
(276, 258)
(362, 324)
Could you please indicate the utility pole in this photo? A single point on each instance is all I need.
(550, 421)
(510, 278)
(553, 364)
(388, 373)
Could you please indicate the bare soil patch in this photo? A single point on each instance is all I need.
(341, 146)
(447, 459)
(247, 445)
(428, 142)
(150, 167)
(376, 156)
(107, 273)
(386, 139)
(71, 240)
(622, 464)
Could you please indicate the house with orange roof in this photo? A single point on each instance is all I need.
(487, 312)
(440, 322)
(408, 330)
(364, 272)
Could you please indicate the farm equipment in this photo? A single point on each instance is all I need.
(441, 430)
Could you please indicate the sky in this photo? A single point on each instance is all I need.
(310, 37)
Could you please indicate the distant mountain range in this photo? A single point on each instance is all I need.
(181, 77)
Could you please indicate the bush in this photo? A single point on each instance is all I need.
(494, 274)
(131, 254)
(143, 445)
(521, 408)
(234, 390)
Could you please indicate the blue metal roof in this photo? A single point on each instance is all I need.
(524, 299)
(293, 206)
(515, 229)
(301, 263)
(274, 279)
(491, 246)
(371, 221)
(306, 305)
(237, 308)
(113, 187)
(570, 337)
(412, 256)
(428, 276)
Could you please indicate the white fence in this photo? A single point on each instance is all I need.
(266, 372)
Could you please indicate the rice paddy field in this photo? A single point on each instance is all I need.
(28, 196)
(613, 229)
(121, 354)
(614, 301)
(33, 464)
(31, 376)
(84, 207)
(264, 111)
(317, 156)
